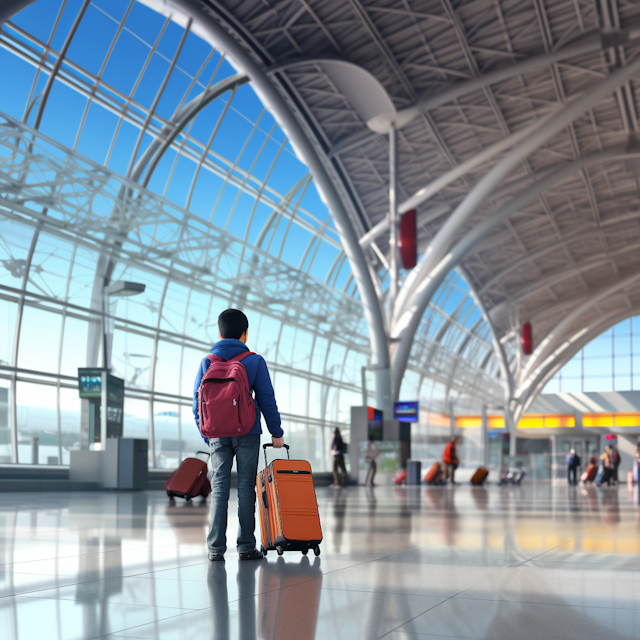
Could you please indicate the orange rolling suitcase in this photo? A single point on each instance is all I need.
(289, 519)
(479, 476)
(434, 475)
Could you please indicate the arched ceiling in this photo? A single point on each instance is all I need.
(498, 67)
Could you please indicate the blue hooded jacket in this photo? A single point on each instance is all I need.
(259, 381)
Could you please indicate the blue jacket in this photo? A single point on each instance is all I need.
(259, 381)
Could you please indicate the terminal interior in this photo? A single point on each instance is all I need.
(429, 212)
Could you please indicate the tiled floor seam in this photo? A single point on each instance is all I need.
(551, 604)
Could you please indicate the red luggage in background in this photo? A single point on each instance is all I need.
(189, 480)
(434, 474)
(589, 474)
(479, 476)
(289, 519)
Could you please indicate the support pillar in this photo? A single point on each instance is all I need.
(452, 420)
(484, 436)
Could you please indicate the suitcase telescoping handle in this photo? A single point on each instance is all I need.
(264, 448)
(205, 453)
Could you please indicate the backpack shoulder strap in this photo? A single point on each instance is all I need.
(211, 357)
(241, 356)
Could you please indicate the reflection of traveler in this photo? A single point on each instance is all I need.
(279, 612)
(573, 462)
(450, 459)
(615, 462)
(234, 327)
(636, 464)
(370, 456)
(337, 451)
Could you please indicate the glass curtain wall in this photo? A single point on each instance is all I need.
(149, 159)
(610, 362)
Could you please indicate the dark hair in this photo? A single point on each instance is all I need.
(232, 323)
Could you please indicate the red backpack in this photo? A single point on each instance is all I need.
(226, 404)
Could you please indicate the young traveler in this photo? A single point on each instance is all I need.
(573, 461)
(450, 459)
(370, 456)
(338, 449)
(223, 388)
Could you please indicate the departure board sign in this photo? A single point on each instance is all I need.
(90, 383)
(406, 411)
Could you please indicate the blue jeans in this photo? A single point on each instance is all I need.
(246, 450)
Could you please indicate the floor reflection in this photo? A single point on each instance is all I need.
(397, 562)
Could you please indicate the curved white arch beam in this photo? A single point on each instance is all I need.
(435, 186)
(404, 330)
(159, 145)
(548, 345)
(478, 195)
(274, 101)
(565, 353)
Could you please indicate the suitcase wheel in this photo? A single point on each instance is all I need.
(188, 498)
(263, 550)
(170, 495)
(279, 550)
(305, 551)
(316, 551)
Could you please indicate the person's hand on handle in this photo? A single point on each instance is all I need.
(277, 443)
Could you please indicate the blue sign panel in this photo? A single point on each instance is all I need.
(406, 411)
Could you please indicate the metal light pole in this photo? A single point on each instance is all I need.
(120, 289)
(393, 222)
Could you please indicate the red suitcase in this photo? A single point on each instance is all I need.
(589, 474)
(434, 474)
(479, 476)
(189, 479)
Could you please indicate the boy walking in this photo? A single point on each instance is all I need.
(233, 326)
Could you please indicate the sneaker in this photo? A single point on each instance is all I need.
(254, 554)
(215, 557)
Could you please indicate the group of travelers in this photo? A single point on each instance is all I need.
(603, 472)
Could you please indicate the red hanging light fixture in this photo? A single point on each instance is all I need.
(407, 242)
(526, 339)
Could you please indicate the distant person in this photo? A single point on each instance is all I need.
(605, 473)
(370, 456)
(338, 449)
(233, 326)
(636, 471)
(573, 462)
(450, 459)
(615, 464)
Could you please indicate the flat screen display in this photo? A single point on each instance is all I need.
(374, 423)
(406, 411)
(90, 383)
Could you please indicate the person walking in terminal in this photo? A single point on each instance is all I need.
(338, 448)
(370, 456)
(605, 472)
(615, 463)
(573, 463)
(251, 375)
(450, 459)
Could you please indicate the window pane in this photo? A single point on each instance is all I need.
(39, 340)
(37, 418)
(169, 445)
(70, 412)
(5, 432)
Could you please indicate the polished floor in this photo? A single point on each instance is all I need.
(535, 561)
